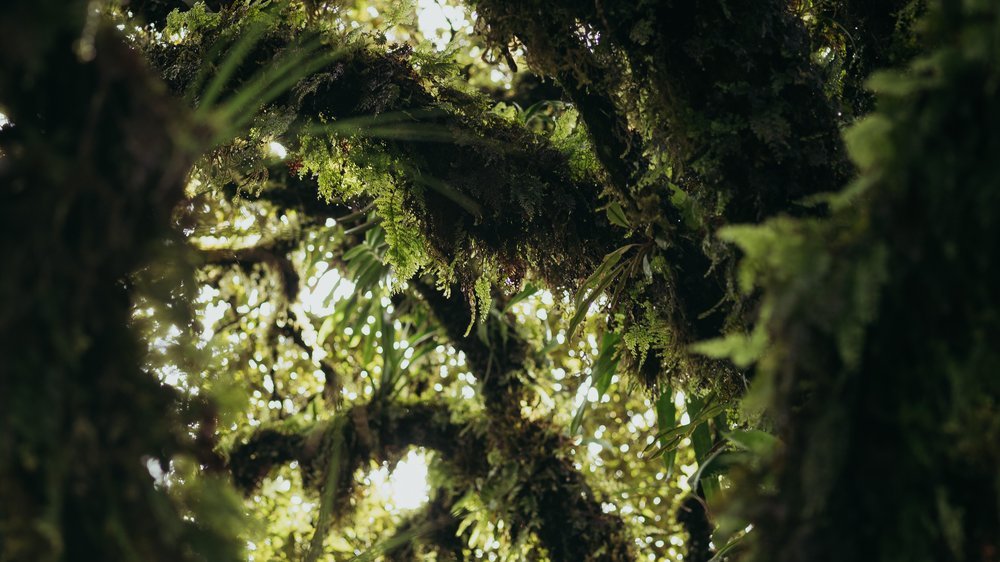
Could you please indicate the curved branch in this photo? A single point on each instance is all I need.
(374, 432)
(572, 525)
(534, 209)
(732, 105)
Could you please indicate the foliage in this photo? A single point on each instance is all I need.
(618, 281)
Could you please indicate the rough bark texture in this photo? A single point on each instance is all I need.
(884, 359)
(90, 171)
(882, 317)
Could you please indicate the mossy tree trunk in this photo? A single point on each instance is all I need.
(91, 167)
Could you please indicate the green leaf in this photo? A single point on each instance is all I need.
(867, 141)
(601, 374)
(743, 350)
(666, 418)
(720, 556)
(617, 215)
(606, 364)
(598, 281)
(574, 426)
(753, 440)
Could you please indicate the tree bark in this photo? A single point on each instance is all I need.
(90, 170)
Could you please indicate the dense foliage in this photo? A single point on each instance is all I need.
(504, 280)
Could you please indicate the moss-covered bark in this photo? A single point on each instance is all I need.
(703, 114)
(90, 169)
(571, 524)
(553, 500)
(881, 318)
(479, 185)
(550, 496)
(882, 368)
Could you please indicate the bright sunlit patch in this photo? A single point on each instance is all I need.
(321, 297)
(161, 344)
(436, 20)
(277, 150)
(156, 471)
(404, 488)
(172, 376)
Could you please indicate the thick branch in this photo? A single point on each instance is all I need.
(693, 516)
(731, 103)
(495, 360)
(573, 525)
(372, 432)
(484, 183)
(287, 191)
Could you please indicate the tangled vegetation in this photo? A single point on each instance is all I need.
(504, 280)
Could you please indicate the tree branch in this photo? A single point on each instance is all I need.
(572, 524)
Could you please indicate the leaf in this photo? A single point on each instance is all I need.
(334, 437)
(355, 252)
(606, 364)
(701, 439)
(574, 426)
(683, 203)
(675, 435)
(601, 374)
(702, 442)
(327, 328)
(402, 537)
(666, 417)
(753, 440)
(867, 141)
(234, 57)
(598, 281)
(743, 350)
(720, 556)
(716, 464)
(617, 215)
(609, 261)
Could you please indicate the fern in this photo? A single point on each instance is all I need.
(406, 252)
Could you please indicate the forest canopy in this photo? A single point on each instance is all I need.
(446, 280)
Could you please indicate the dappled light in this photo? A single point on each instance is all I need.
(498, 280)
